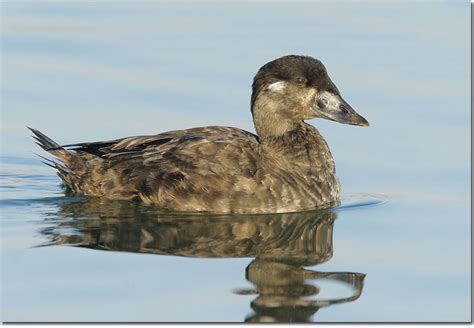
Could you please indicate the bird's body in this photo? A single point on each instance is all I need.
(287, 167)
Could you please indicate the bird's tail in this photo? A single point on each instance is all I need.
(71, 165)
(43, 141)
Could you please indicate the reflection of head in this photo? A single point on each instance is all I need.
(280, 287)
(286, 291)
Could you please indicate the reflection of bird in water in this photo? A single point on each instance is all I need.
(280, 243)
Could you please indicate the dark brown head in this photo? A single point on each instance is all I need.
(291, 89)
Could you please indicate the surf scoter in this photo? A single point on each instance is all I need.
(287, 166)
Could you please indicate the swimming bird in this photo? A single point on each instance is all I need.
(285, 167)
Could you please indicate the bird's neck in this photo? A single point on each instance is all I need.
(301, 135)
(271, 119)
(287, 140)
(303, 146)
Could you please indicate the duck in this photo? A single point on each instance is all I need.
(286, 166)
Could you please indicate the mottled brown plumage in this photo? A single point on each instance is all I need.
(287, 167)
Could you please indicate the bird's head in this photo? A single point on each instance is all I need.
(291, 89)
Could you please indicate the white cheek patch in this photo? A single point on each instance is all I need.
(332, 101)
(277, 86)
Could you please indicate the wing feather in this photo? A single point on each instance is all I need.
(215, 148)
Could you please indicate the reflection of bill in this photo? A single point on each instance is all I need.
(282, 244)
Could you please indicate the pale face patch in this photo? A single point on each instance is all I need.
(329, 100)
(277, 86)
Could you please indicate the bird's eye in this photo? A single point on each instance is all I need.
(301, 80)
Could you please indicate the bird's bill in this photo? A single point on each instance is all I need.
(332, 107)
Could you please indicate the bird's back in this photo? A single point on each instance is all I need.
(185, 170)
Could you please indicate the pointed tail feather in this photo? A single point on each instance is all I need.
(71, 165)
(43, 141)
(70, 159)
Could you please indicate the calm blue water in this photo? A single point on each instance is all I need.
(398, 249)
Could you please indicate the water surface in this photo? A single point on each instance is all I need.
(398, 247)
